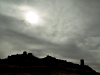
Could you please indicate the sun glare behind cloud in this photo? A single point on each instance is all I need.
(31, 17)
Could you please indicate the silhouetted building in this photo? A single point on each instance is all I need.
(30, 54)
(82, 62)
(24, 53)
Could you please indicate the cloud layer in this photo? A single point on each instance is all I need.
(68, 29)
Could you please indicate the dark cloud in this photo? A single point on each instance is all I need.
(69, 29)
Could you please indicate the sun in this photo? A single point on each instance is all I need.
(31, 17)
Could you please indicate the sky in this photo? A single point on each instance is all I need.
(66, 29)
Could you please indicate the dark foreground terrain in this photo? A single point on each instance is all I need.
(28, 64)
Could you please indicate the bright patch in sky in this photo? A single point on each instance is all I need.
(31, 17)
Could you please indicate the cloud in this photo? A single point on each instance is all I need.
(69, 29)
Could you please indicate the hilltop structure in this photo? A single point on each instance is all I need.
(82, 62)
(27, 62)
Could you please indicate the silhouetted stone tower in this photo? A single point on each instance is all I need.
(82, 62)
(24, 53)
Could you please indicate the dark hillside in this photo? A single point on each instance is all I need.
(28, 64)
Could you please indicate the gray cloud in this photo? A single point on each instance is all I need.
(69, 29)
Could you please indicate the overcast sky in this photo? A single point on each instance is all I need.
(67, 29)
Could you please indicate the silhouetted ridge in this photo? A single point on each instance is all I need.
(49, 58)
(27, 62)
(23, 56)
